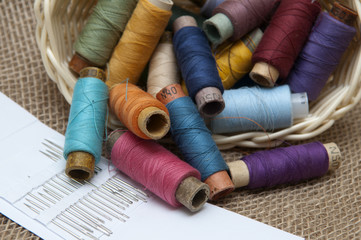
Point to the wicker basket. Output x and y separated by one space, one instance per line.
60 21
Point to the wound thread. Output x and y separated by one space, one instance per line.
320 56
195 59
135 47
141 113
234 60
103 30
254 109
286 165
193 138
150 164
87 118
286 34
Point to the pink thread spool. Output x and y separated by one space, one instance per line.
158 170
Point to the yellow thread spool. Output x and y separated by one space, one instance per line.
139 40
234 60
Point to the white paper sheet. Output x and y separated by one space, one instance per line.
24 170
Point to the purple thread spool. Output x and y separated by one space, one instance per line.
320 56
285 165
233 19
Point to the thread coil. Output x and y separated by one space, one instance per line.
320 56
247 107
103 30
87 118
195 60
286 165
286 34
152 165
142 33
193 138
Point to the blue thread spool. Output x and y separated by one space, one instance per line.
85 130
271 108
198 66
195 141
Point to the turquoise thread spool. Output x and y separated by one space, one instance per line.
86 126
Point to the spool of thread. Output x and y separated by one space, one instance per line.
322 53
101 33
198 66
140 37
86 125
195 141
178 12
163 69
283 40
285 165
255 109
157 169
141 113
234 60
233 19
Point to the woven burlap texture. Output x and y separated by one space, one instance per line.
324 208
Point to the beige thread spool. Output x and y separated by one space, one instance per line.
209 100
163 69
80 165
191 192
240 174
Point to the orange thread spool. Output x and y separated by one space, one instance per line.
139 111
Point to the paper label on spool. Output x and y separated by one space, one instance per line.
93 72
343 14
170 93
334 155
207 95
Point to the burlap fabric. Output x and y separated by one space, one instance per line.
324 208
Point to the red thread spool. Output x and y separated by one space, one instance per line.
283 40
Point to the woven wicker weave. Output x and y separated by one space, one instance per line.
60 21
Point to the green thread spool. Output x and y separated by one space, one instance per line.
100 35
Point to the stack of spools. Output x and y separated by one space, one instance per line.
288 48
